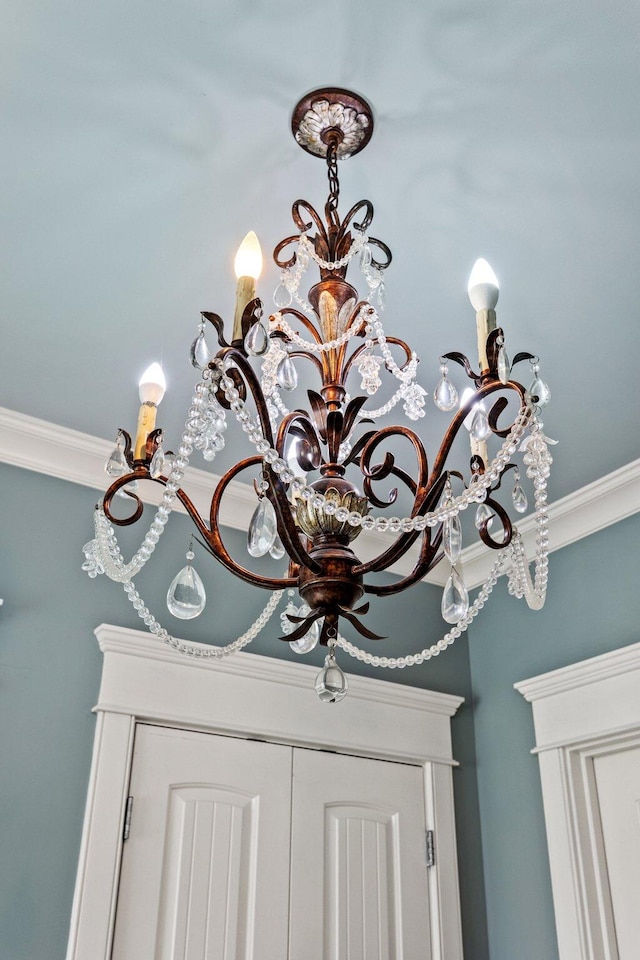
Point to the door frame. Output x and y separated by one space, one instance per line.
248 695
581 712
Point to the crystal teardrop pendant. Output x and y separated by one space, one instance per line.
452 538
256 342
117 464
287 374
445 396
504 366
519 497
157 465
199 352
186 597
309 641
539 392
331 683
455 599
480 429
277 549
484 514
263 529
282 296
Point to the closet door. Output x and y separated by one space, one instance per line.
358 861
205 871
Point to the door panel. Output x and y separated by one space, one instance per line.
618 784
205 871
358 864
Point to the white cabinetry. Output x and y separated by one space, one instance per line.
241 848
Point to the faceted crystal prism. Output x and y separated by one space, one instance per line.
309 641
504 366
287 374
445 396
452 539
199 352
331 683
157 465
186 597
263 529
480 429
519 497
484 514
282 296
256 341
541 392
455 599
277 549
117 464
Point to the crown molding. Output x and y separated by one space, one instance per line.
67 454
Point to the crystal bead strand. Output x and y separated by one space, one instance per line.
475 492
187 648
446 641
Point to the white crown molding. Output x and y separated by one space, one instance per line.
78 457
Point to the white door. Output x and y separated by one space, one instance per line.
618 786
205 871
358 860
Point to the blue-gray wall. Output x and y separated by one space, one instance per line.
49 677
593 606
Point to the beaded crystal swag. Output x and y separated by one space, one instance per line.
308 510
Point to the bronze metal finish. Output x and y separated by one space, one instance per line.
322 564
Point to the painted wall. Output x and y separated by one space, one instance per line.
49 677
593 606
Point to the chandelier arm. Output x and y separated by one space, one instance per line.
504 519
214 540
287 528
306 355
378 264
250 379
382 470
137 474
462 414
406 540
218 324
291 311
286 264
316 219
366 221
298 420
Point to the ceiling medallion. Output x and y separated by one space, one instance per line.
324 474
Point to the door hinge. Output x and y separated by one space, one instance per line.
431 849
127 818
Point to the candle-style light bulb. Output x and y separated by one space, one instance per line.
248 261
248 266
483 286
152 385
151 388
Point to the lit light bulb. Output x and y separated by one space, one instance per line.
248 262
483 287
152 385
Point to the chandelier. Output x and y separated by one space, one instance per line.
322 474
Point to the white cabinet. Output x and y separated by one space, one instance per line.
248 839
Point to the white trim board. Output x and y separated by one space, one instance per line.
580 712
78 457
144 682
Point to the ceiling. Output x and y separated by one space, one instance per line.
143 139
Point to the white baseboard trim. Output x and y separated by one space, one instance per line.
78 457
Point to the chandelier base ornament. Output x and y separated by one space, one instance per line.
323 474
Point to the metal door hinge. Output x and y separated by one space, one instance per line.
431 849
127 818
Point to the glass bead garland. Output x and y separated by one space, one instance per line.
103 553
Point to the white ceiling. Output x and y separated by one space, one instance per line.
141 140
